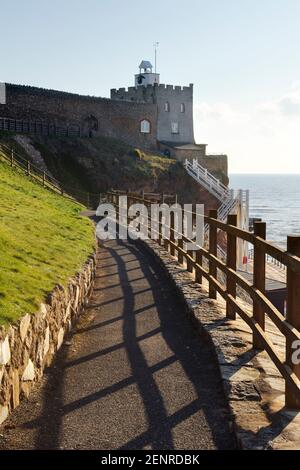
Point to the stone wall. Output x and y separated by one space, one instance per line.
183 152
174 96
95 116
28 346
215 164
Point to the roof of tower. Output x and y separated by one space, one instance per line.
145 64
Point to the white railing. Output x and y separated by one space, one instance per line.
215 187
269 259
206 179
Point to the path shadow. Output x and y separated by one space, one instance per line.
176 328
188 349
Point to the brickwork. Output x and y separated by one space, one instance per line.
174 105
95 116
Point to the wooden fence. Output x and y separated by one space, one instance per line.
289 326
14 159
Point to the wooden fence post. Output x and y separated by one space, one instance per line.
12 157
180 254
259 280
118 209
159 227
189 263
198 275
165 240
172 235
44 178
149 220
213 214
231 263
28 167
293 317
128 207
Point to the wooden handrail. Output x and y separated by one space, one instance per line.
289 327
44 178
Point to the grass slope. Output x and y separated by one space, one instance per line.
43 241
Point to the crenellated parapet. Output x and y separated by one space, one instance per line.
149 93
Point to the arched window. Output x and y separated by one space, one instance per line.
167 106
175 128
90 125
145 126
182 108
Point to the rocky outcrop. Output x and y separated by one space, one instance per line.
32 152
28 346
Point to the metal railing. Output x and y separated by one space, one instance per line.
269 259
206 179
38 127
289 326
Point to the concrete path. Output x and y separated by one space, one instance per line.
134 375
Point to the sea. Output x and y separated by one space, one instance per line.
275 199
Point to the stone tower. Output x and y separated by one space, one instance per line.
174 105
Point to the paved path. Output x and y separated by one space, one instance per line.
134 375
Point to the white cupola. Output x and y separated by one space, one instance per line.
146 76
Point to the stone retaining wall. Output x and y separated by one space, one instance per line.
29 346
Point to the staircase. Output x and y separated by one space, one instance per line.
215 187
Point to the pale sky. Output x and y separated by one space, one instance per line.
242 56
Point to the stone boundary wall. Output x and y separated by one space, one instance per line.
28 346
252 385
116 119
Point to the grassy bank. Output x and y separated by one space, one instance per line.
43 241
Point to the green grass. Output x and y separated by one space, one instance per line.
43 241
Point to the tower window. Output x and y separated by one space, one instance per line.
167 107
175 128
145 126
182 108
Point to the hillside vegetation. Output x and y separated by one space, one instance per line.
43 241
101 163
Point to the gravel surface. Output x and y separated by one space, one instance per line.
134 374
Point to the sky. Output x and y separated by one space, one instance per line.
242 56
